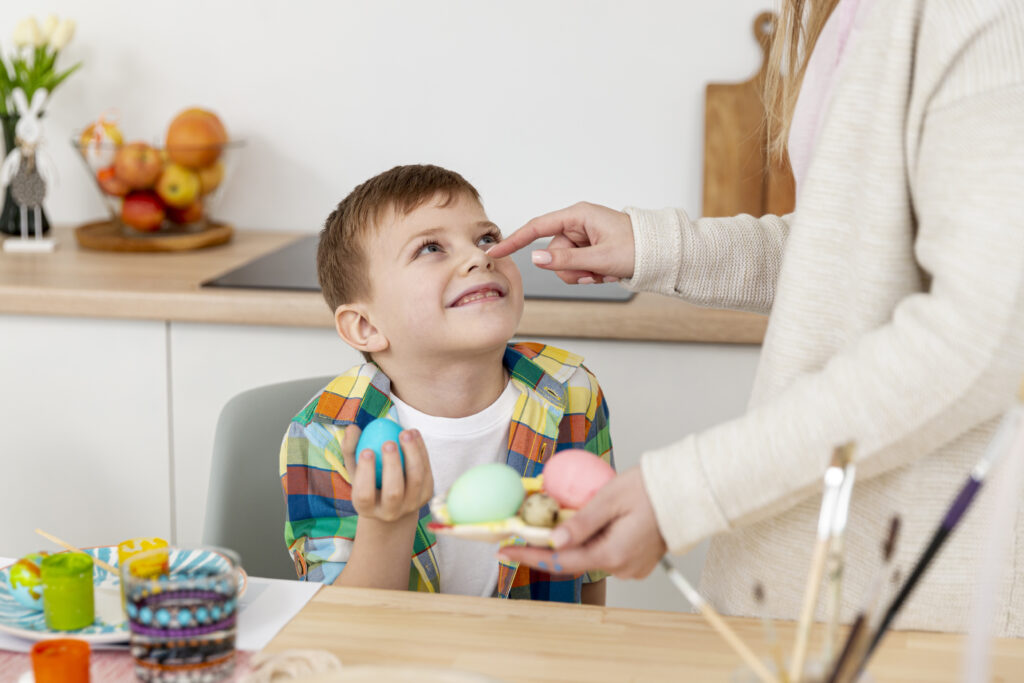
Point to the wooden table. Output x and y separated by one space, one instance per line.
166 286
516 640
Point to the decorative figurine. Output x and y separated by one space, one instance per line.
28 170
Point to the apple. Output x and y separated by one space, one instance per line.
195 138
210 177
110 183
99 142
142 211
138 165
190 214
178 186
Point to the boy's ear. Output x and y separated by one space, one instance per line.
354 326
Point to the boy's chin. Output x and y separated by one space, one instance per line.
479 341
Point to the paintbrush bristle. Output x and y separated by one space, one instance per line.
842 455
758 593
890 541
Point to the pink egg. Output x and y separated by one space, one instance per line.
573 476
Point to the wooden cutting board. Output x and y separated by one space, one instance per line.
737 176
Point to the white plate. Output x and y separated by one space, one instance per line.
110 625
509 529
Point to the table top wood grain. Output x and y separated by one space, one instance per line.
523 641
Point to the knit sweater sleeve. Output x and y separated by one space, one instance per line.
949 358
718 262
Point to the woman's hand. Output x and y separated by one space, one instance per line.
616 531
399 495
590 243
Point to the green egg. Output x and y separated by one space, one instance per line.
486 493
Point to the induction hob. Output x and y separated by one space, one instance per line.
293 267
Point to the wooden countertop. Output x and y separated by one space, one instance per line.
515 640
166 286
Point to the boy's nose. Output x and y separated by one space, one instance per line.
478 258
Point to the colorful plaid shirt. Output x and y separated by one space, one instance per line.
560 406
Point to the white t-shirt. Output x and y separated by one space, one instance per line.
454 445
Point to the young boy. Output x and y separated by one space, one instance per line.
403 264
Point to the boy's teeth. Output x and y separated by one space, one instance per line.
490 293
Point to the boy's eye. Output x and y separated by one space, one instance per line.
429 248
489 239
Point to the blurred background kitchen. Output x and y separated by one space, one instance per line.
109 419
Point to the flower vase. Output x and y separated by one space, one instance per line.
10 217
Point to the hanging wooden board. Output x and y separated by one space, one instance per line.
109 236
737 177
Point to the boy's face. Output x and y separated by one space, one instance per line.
435 292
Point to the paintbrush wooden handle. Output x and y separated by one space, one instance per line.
717 623
803 630
67 546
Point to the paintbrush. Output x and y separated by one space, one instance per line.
834 476
858 638
834 562
769 633
715 620
67 546
996 449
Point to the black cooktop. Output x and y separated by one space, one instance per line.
294 267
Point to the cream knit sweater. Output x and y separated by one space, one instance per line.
896 293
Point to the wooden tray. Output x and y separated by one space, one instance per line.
108 236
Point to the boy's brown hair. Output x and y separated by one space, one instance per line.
341 260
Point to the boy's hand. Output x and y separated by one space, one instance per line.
399 496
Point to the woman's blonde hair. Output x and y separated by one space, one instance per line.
796 31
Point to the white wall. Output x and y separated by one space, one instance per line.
539 103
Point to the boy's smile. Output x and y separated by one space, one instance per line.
435 291
479 294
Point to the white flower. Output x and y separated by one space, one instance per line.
27 32
50 25
62 34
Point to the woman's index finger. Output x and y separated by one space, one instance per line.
547 225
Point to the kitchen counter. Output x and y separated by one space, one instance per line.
166 286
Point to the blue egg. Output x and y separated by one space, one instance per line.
184 617
215 613
146 615
374 436
202 615
163 617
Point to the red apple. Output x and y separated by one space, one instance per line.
190 214
143 211
138 165
195 138
110 183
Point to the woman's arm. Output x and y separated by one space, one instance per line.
723 262
720 262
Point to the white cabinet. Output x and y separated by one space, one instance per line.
84 427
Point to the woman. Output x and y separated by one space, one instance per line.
896 293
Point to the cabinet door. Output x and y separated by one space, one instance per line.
83 414
212 363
